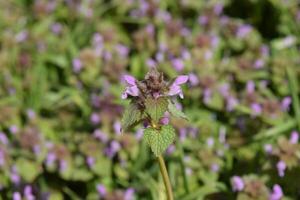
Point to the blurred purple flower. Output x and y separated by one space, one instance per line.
117 127
159 56
250 87
14 129
139 134
277 193
131 88
63 165
77 65
206 95
203 20
268 148
193 79
101 190
30 114
122 50
56 28
175 87
150 29
210 142
14 175
182 134
113 148
171 149
50 159
243 30
22 36
151 63
208 54
281 167
90 161
129 194
264 50
165 120
3 138
214 167
28 193
95 118
17 196
294 137
259 63
285 103
256 109
218 8
231 103
237 184
185 54
188 171
178 64
98 134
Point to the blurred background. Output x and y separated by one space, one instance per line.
61 68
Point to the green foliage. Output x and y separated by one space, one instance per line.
175 112
159 140
131 115
156 107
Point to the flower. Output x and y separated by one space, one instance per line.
101 190
131 88
276 193
281 166
237 183
175 87
294 137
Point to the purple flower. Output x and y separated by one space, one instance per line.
101 190
151 63
277 193
30 114
131 88
63 165
210 141
28 193
268 148
14 176
14 129
51 158
3 138
129 194
193 79
203 20
95 118
214 167
122 50
22 36
281 166
178 64
182 134
77 65
17 196
218 8
231 103
175 87
98 134
294 137
256 109
117 128
243 31
165 120
259 63
113 148
56 28
285 103
237 183
90 161
250 87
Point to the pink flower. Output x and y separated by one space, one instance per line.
276 193
175 87
237 183
131 88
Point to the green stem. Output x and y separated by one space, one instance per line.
165 176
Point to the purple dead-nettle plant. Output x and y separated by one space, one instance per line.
151 102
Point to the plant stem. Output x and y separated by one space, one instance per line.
165 176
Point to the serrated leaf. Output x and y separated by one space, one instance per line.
175 112
159 140
131 115
156 108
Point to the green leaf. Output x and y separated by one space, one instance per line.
156 108
131 115
27 169
175 112
159 140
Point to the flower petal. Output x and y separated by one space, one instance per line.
181 79
129 79
133 91
174 89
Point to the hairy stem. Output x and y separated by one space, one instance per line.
165 176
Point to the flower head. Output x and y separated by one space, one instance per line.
175 87
237 183
276 193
